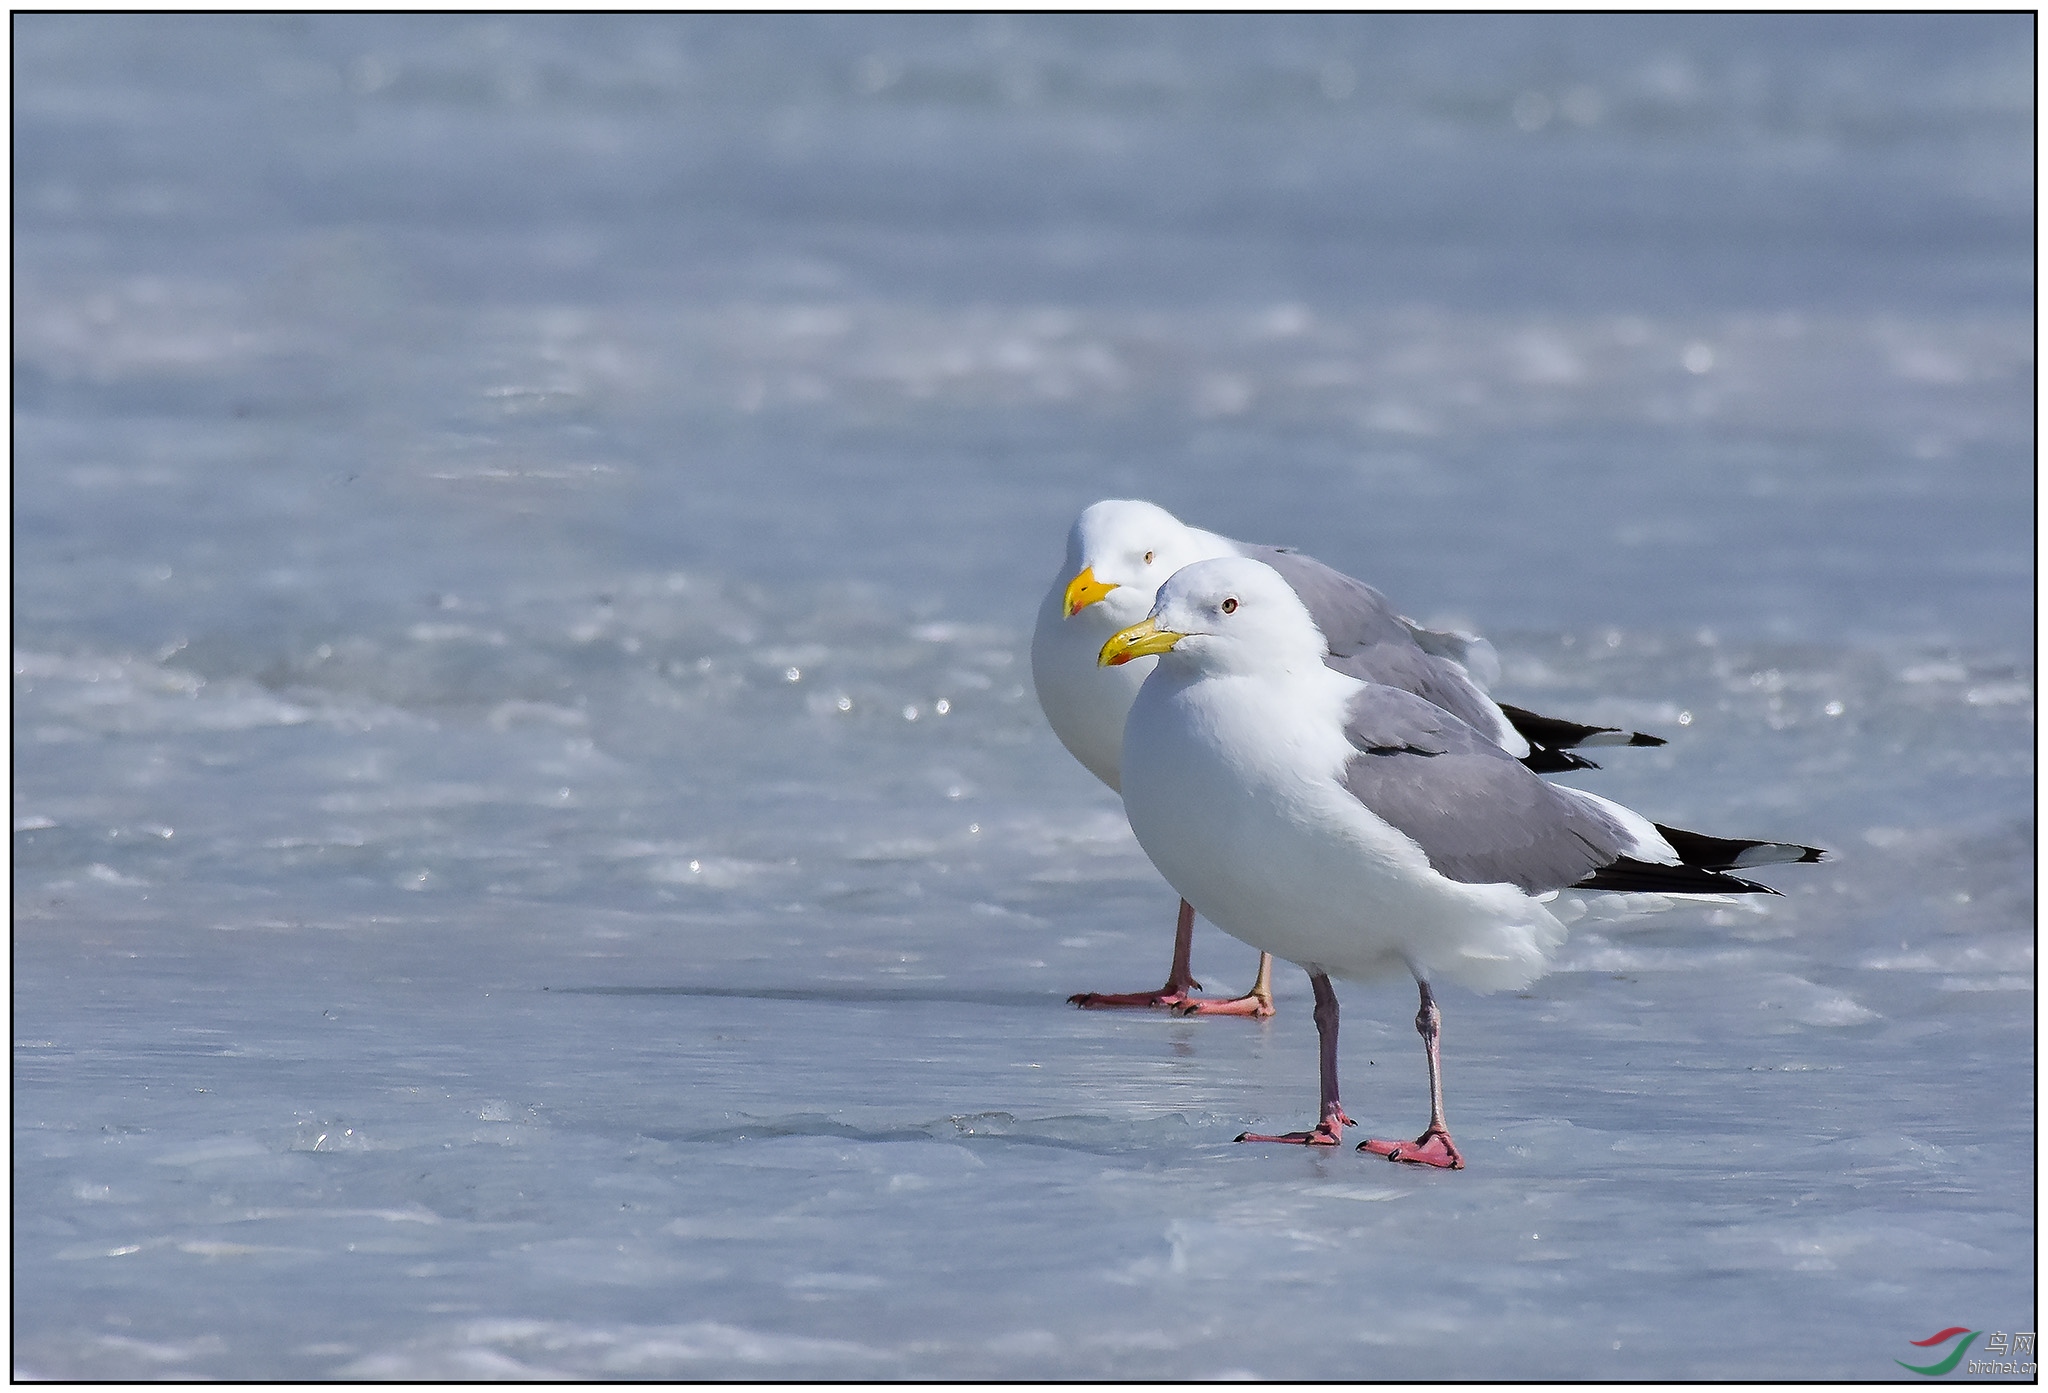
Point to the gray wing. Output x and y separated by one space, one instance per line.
1351 614
1469 651
1478 815
1436 680
1371 642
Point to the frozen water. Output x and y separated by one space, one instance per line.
534 852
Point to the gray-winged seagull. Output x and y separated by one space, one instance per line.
1357 829
1119 551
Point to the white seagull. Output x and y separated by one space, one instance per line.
1119 552
1357 829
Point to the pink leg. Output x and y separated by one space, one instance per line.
1181 986
1180 978
1330 1130
1256 1002
1434 1147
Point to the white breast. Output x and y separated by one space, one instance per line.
1232 785
1086 704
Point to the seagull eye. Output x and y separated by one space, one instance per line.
1148 557
1230 605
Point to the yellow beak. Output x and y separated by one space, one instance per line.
1084 590
1141 640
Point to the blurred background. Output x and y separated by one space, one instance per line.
525 524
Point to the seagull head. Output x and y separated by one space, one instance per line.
1125 547
1229 614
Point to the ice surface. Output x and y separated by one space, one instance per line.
534 853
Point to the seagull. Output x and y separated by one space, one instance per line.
1119 552
1358 829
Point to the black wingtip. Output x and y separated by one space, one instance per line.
1730 853
1646 877
1554 733
1542 759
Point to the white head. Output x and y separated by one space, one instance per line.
1230 614
1129 546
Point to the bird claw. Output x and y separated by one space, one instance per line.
1168 995
1328 1132
1432 1148
1246 1005
1317 1137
